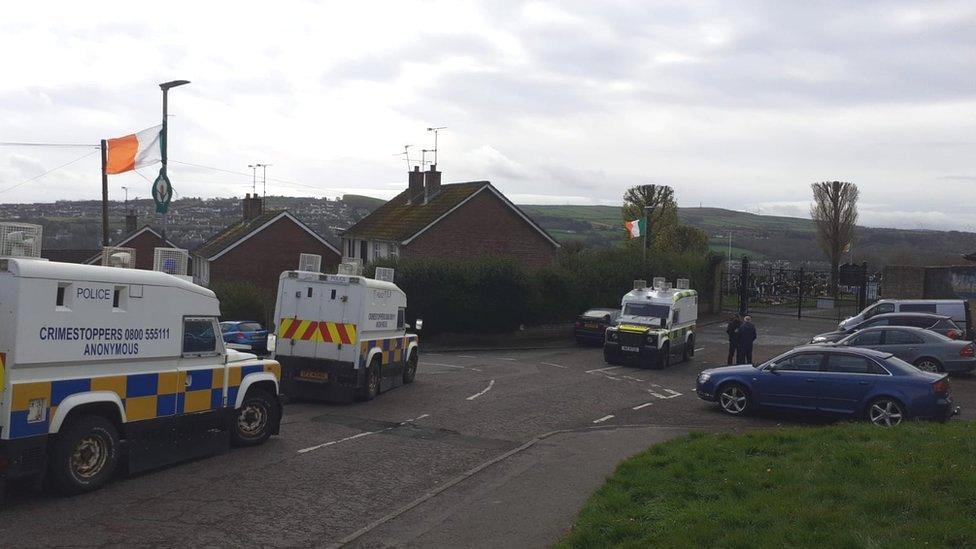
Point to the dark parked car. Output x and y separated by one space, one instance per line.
591 326
927 350
245 335
937 323
845 381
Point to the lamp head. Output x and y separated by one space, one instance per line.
172 84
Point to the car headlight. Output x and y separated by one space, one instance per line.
703 378
611 335
651 339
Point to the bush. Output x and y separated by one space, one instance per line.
498 295
242 301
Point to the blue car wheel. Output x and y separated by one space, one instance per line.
885 412
734 399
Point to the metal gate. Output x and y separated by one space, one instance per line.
796 292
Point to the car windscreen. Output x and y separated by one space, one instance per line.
647 309
597 313
250 327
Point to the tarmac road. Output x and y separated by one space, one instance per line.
484 449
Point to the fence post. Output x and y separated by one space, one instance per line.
744 287
862 294
799 295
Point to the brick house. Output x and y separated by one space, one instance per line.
259 248
456 221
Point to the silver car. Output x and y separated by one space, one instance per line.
925 349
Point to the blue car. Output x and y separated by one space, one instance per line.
246 335
836 381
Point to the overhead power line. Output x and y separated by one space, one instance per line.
66 164
283 181
60 145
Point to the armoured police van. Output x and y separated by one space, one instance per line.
342 336
656 325
97 362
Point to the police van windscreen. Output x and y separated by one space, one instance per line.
647 309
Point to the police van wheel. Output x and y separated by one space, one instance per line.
84 455
410 369
689 348
372 387
664 357
253 421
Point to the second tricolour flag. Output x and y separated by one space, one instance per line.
134 151
636 228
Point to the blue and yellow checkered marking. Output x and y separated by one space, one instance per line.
393 350
144 396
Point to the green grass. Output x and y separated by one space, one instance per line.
848 485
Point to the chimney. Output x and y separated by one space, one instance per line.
253 207
433 183
415 186
130 222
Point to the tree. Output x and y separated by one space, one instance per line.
834 213
681 239
657 201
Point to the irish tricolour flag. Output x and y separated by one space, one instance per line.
134 151
636 228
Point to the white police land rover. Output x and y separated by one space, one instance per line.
656 325
92 355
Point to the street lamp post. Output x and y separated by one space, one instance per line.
162 191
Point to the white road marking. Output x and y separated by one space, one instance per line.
634 378
608 368
673 393
508 358
360 435
466 356
488 388
450 366
645 405
553 365
659 395
699 349
602 419
654 385
613 378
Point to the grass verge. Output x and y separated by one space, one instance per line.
848 485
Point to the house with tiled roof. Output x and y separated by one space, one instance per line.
259 248
456 221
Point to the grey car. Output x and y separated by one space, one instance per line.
937 323
927 350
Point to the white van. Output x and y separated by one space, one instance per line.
956 309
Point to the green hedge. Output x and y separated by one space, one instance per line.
498 295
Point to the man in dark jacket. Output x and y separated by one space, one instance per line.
746 335
732 329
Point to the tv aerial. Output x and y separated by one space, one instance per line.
435 130
406 155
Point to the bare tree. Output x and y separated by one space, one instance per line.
834 213
658 203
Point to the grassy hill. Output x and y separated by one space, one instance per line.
761 236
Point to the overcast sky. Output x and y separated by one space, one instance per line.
738 105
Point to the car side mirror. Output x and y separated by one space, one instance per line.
272 343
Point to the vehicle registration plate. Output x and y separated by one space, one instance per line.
591 326
630 349
313 375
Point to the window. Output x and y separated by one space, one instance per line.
918 322
350 248
876 322
362 251
394 251
804 362
647 309
918 308
848 364
59 299
901 337
401 318
945 324
199 336
879 309
866 338
377 251
226 327
119 298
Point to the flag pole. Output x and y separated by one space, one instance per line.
645 234
104 146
